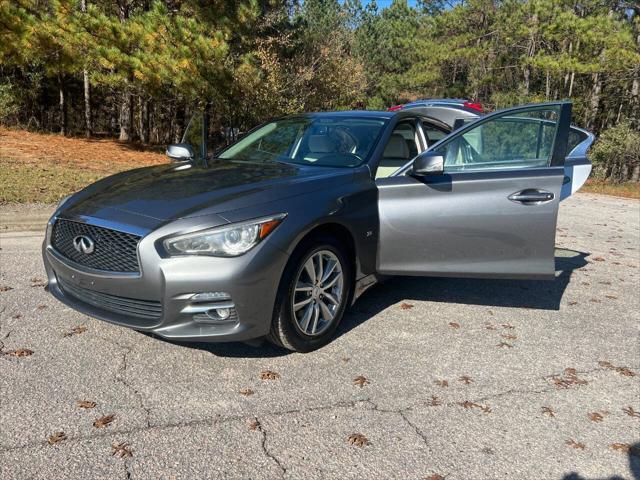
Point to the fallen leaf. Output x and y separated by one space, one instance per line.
595 417
104 421
509 336
345 359
19 352
269 375
573 302
606 364
360 381
17 316
406 306
254 424
548 411
435 476
621 447
631 412
465 379
490 326
122 449
504 344
454 325
442 383
37 282
246 392
507 325
595 300
570 378
86 404
627 372
435 401
358 440
598 259
469 405
41 307
57 437
5 288
77 330
574 444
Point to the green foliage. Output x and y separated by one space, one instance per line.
616 154
254 59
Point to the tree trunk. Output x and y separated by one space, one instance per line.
144 121
531 51
87 104
635 98
178 123
63 107
594 103
87 97
126 116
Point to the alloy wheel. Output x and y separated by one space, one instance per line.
317 295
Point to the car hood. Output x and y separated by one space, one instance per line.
169 192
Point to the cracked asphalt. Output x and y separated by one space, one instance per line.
466 379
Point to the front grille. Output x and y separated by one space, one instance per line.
131 307
114 251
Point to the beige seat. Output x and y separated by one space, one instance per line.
395 155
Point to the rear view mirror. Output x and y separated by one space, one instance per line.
180 152
428 163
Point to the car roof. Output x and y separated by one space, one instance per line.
346 114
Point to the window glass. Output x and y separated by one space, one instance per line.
321 141
432 133
520 140
401 147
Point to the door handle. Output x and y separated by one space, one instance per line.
531 196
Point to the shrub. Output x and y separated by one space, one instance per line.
616 154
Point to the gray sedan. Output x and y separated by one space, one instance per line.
276 235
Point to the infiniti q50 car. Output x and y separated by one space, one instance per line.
277 234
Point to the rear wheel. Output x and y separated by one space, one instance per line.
312 297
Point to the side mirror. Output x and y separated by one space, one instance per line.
180 152
428 163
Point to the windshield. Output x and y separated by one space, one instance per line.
321 141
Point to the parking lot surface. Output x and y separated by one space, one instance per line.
428 378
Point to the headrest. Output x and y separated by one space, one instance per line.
320 144
396 148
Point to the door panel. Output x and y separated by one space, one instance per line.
465 225
492 213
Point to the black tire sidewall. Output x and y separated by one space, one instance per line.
293 337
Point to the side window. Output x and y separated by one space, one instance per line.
516 140
433 133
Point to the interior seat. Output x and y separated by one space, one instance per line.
395 155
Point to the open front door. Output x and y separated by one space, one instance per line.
493 211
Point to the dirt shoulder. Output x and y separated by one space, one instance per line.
43 168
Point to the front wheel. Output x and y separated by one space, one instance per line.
312 298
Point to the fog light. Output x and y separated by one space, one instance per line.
223 313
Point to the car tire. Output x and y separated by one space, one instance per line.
292 326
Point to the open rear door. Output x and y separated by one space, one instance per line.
493 211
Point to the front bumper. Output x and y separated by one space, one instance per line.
250 283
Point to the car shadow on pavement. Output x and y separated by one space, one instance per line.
537 294
634 467
499 293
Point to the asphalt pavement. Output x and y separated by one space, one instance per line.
428 378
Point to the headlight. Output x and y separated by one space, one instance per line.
225 241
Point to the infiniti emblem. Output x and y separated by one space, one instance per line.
83 244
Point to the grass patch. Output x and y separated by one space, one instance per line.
26 183
627 190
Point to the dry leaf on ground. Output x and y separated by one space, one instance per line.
406 306
254 424
86 404
246 392
442 383
465 379
454 325
573 444
360 381
631 412
595 417
5 288
269 375
19 352
57 437
104 421
122 449
548 411
358 440
435 401
77 330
